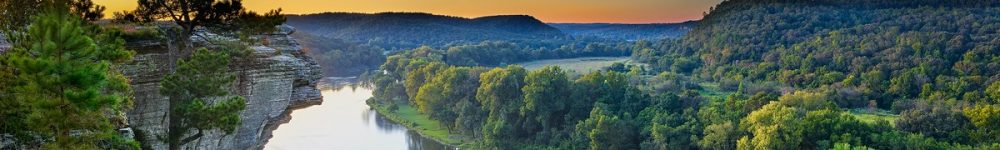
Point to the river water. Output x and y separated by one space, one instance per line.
345 121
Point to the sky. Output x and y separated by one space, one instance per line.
552 11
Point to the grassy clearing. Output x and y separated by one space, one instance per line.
422 123
408 116
873 116
579 65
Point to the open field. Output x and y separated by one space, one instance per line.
579 65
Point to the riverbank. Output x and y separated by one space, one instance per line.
408 116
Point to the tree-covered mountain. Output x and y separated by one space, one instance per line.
339 57
754 74
933 62
655 31
883 50
395 31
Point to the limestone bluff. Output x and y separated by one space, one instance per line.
276 78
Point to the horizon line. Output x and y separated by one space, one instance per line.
445 15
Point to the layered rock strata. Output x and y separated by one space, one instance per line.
275 78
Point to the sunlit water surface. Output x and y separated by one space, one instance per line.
344 121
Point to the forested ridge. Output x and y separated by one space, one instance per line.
339 57
754 74
347 44
400 31
895 48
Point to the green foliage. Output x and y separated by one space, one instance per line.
671 82
142 34
501 97
606 131
872 49
771 127
338 57
901 140
986 118
778 126
993 91
753 75
188 14
403 30
199 97
545 101
447 98
758 100
13 111
611 88
720 136
673 134
498 53
18 14
224 15
250 22
823 128
935 119
806 100
420 75
63 83
846 146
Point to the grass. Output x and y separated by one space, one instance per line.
408 116
422 123
872 116
579 65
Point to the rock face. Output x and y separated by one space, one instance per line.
3 44
274 79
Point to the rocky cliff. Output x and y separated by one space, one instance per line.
275 78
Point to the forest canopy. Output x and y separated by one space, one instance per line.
754 74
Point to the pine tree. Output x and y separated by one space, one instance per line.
64 83
199 99
17 14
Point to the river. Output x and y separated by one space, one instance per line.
344 121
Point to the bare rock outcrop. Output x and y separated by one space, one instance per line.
275 78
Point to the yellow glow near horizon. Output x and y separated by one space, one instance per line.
558 11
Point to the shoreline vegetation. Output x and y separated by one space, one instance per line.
408 116
413 120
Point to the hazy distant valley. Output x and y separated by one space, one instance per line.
348 43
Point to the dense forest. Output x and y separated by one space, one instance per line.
347 44
499 53
339 57
754 74
401 31
342 58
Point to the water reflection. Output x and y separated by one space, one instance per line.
383 124
344 121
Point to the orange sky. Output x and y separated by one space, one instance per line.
558 11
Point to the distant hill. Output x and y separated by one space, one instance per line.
626 31
339 57
409 30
